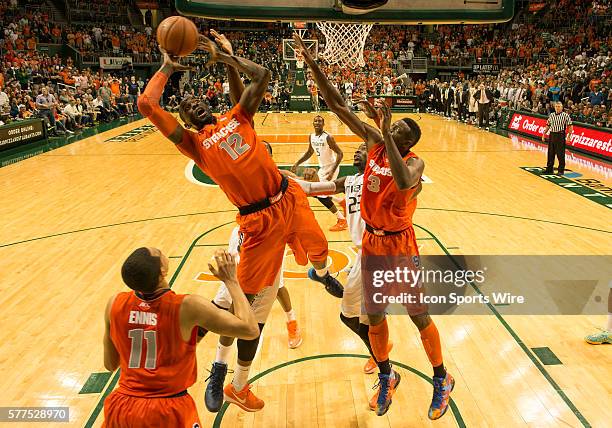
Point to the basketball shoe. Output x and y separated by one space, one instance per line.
441 394
213 397
244 399
339 226
293 332
599 338
387 384
332 285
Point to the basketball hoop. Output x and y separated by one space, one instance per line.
344 43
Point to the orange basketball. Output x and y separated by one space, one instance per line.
177 35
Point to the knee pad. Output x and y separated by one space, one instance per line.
248 348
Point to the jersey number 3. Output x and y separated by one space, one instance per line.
136 353
373 184
234 146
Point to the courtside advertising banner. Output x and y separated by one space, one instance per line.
597 142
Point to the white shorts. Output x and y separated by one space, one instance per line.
352 299
261 305
323 171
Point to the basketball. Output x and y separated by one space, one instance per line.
177 35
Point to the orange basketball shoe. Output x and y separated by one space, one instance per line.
371 366
244 399
295 338
341 225
387 384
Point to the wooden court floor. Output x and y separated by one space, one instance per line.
70 217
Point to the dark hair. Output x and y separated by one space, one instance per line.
415 130
141 271
322 118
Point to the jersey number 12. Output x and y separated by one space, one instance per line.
234 146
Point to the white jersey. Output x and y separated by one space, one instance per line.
352 189
327 157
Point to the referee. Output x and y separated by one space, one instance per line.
558 123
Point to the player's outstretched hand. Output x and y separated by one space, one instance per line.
223 43
302 48
173 62
209 46
385 117
367 108
226 266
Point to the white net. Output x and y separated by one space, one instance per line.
344 43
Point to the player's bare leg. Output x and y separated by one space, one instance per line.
293 331
239 391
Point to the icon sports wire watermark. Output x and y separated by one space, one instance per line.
469 285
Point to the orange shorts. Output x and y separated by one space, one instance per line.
389 253
266 232
126 411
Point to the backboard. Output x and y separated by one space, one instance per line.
394 12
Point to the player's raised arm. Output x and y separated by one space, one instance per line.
198 311
336 103
260 76
233 76
406 174
148 102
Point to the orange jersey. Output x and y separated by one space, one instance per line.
230 153
155 361
383 205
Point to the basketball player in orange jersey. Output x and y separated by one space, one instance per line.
151 333
273 212
392 176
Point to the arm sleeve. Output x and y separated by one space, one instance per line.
148 104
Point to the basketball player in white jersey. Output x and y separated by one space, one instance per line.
329 155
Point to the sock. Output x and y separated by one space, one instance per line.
223 353
322 272
431 342
384 367
379 340
609 322
339 215
241 376
363 333
290 315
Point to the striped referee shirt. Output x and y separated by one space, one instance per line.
558 122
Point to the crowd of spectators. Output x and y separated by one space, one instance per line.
562 52
36 85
